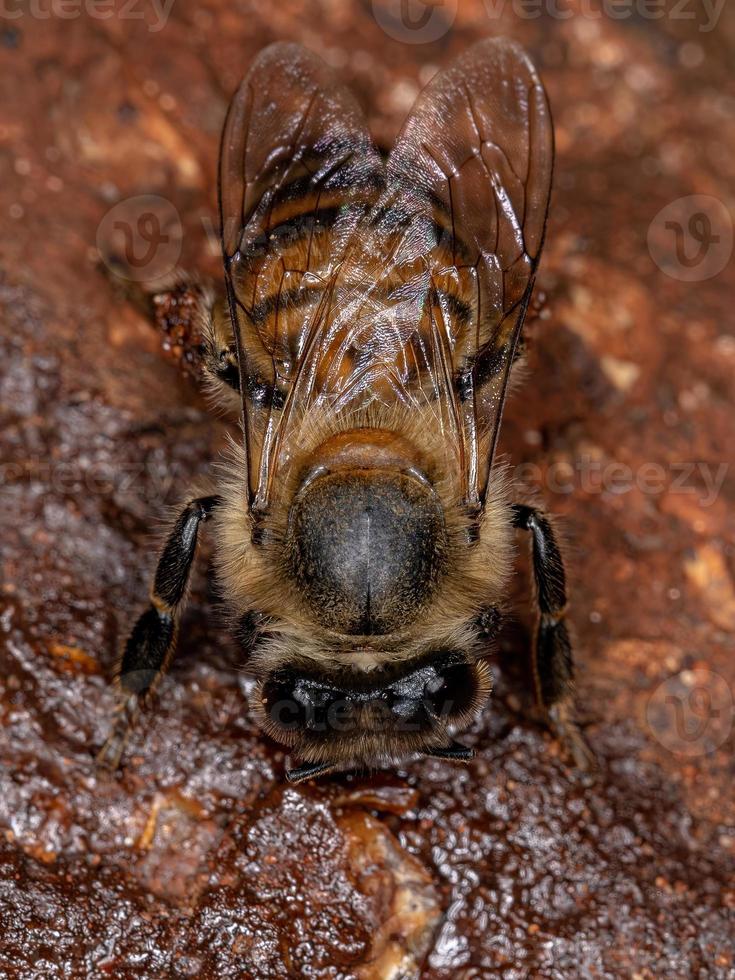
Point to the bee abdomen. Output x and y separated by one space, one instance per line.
366 548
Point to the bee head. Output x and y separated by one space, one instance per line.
359 717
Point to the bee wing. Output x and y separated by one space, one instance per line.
298 171
433 287
475 156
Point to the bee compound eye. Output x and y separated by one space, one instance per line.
435 684
281 707
451 690
295 702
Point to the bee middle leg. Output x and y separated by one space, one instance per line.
552 656
151 643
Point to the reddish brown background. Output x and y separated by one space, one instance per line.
198 861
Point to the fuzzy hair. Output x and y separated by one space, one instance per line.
256 578
369 741
215 327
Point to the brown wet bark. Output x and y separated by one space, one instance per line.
197 861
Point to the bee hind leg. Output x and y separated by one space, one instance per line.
553 662
195 330
151 643
219 355
310 770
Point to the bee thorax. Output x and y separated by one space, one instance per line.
366 548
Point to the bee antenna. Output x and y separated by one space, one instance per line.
308 771
453 751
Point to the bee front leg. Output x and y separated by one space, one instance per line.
553 662
151 643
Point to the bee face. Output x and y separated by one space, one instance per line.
382 714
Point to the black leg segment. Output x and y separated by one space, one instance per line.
310 770
151 643
553 663
453 751
174 565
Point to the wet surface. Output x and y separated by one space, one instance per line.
198 860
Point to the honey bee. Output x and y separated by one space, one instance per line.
366 334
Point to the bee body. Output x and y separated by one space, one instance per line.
369 325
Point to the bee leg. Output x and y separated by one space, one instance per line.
219 352
177 307
309 770
553 662
453 751
197 332
180 314
151 643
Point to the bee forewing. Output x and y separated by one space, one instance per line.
297 171
347 289
476 154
